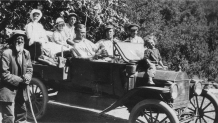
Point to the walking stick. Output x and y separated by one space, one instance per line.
31 107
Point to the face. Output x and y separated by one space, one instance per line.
151 42
81 33
60 27
110 33
19 43
133 33
35 16
72 20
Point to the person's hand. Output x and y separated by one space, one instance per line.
66 45
27 79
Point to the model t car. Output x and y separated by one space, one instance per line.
108 83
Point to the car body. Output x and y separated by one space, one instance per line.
106 84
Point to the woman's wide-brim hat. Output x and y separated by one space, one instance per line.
17 33
59 21
36 11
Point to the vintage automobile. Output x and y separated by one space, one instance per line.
108 83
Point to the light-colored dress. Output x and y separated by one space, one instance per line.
36 33
84 49
59 44
70 31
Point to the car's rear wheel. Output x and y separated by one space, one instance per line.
152 111
39 99
204 108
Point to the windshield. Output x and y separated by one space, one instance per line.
130 51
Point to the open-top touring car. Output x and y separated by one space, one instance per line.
108 83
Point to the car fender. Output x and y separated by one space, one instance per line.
134 92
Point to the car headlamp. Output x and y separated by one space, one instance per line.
174 90
197 88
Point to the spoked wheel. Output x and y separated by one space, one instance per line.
152 111
39 98
204 108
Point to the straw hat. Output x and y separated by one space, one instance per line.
15 34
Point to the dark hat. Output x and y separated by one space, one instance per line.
133 27
109 27
17 33
79 27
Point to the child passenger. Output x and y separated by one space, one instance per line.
153 58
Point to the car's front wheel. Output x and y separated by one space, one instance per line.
152 111
204 108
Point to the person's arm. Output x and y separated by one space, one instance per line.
160 59
44 35
146 57
5 71
28 29
29 33
70 42
56 38
29 70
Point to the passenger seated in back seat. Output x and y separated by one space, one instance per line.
35 34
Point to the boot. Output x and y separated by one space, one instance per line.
150 81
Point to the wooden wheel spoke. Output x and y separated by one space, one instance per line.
162 121
197 101
144 114
192 104
202 102
209 117
151 115
209 111
156 119
139 120
191 109
36 89
207 106
200 120
204 119
36 107
196 120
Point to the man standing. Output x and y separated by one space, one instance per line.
16 73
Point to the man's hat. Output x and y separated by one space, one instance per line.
133 27
109 27
72 14
79 27
15 34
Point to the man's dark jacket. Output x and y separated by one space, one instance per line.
10 82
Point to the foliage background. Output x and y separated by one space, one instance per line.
186 30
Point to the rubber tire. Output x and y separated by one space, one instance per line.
44 91
213 99
168 110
